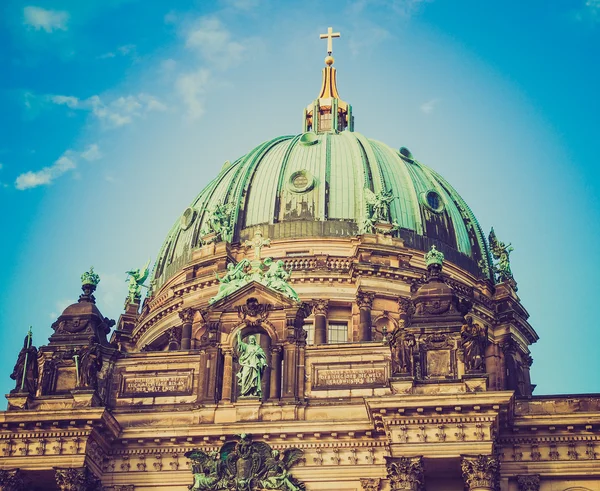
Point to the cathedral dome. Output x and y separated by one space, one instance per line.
323 185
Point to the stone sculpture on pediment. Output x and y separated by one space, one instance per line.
254 313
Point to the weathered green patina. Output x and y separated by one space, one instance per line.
434 257
90 277
245 465
501 253
136 278
253 361
331 180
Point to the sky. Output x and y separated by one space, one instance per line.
116 114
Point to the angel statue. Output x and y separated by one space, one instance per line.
136 278
218 221
235 278
501 253
278 471
205 467
380 208
276 277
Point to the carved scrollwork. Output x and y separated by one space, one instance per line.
370 484
364 300
320 307
11 480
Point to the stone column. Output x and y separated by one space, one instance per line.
187 317
290 362
370 484
480 472
365 303
11 480
76 479
530 482
227 375
405 473
275 388
320 313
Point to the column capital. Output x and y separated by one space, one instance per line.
370 484
406 306
530 482
11 480
76 479
187 315
319 307
480 471
365 300
405 473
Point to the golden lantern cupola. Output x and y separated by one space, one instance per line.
328 113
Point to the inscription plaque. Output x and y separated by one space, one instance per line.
349 375
157 384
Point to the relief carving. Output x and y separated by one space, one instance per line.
529 483
76 479
11 480
405 473
370 484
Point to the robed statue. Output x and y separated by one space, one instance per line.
252 360
474 340
90 363
401 345
25 372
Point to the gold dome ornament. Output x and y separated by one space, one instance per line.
329 60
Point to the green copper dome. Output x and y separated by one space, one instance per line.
315 185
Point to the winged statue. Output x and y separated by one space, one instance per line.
380 205
136 278
501 252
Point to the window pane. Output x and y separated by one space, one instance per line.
337 332
309 327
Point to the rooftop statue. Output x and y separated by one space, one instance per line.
245 465
474 339
136 278
90 277
267 272
277 278
501 253
434 257
253 361
25 372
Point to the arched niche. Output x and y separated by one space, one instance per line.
264 335
381 324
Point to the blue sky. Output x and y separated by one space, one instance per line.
117 113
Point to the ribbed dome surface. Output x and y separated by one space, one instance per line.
314 185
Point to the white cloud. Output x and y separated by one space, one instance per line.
46 175
60 306
121 50
91 153
429 106
191 88
213 42
118 112
47 20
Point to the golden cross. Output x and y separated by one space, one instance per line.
329 36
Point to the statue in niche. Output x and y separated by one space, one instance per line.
90 363
253 361
474 339
25 372
402 346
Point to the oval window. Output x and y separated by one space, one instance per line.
432 200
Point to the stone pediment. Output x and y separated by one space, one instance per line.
254 289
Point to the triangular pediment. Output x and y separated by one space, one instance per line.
262 293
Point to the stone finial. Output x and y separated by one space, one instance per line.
530 482
434 257
405 473
480 471
90 278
